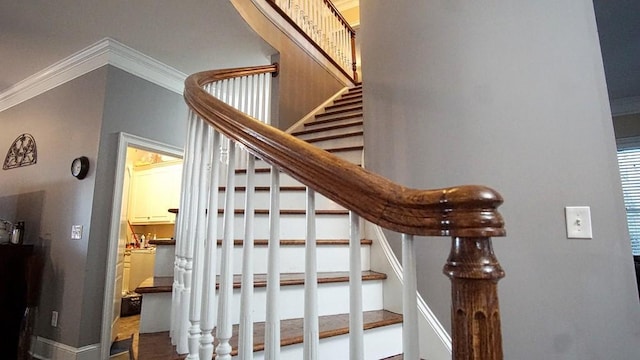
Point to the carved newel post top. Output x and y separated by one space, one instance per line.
473 258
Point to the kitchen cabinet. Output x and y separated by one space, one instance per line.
154 190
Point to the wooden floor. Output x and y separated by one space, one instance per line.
128 326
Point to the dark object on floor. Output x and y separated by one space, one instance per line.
122 349
131 304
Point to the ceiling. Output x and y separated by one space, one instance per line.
188 35
194 35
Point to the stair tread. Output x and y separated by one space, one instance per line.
335 137
320 120
344 102
340 109
291 331
395 357
290 212
327 128
265 242
163 284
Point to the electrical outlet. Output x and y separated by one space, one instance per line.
578 222
54 318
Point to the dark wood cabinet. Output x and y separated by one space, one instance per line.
13 295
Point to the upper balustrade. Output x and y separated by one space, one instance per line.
322 24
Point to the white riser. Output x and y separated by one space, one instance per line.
164 262
292 227
314 135
291 200
155 315
333 298
356 140
379 343
321 124
330 258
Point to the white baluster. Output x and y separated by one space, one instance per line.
178 269
208 317
245 339
356 332
272 326
266 108
198 246
311 331
410 345
223 351
191 221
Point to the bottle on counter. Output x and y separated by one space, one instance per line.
143 242
17 235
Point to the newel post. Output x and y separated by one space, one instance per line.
475 314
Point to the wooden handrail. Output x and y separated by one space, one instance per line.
466 213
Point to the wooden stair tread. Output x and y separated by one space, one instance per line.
319 120
257 171
266 188
340 109
290 330
265 242
163 284
345 102
290 212
328 128
335 137
162 242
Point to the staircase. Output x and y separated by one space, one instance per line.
339 130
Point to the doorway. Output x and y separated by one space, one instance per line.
136 159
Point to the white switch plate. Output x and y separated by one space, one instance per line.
54 318
76 232
578 222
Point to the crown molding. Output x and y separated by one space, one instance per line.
105 52
625 106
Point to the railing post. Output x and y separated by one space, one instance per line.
475 314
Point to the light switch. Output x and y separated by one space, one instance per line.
578 222
76 232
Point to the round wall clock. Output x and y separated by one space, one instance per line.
80 167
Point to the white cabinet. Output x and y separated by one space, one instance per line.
155 190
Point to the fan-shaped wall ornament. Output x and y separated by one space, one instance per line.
23 152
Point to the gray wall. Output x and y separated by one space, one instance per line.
81 117
65 123
137 107
510 95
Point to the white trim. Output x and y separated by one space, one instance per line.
103 52
625 106
124 141
435 342
46 349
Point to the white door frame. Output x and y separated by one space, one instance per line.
124 141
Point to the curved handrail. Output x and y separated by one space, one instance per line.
462 211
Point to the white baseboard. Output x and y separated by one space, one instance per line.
45 349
